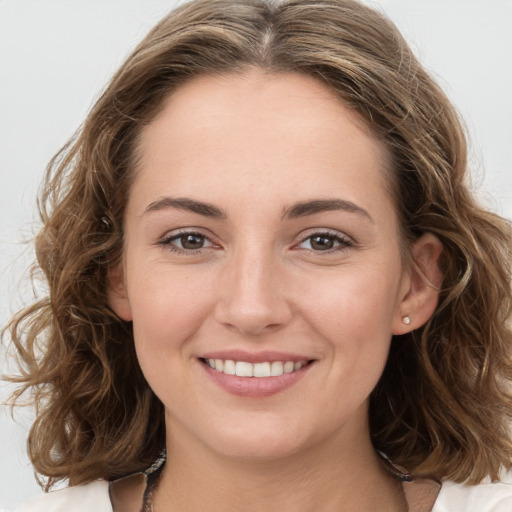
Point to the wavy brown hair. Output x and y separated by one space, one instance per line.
443 405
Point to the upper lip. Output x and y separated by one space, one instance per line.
254 357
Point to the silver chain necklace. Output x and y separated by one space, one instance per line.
151 483
152 475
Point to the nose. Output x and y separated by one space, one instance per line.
252 294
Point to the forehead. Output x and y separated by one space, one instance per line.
240 129
233 99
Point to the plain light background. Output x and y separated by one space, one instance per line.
56 56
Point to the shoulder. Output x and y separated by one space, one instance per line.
80 498
485 497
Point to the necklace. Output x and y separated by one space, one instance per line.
152 475
151 483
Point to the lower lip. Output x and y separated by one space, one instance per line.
255 387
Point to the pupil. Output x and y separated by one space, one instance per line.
192 241
322 243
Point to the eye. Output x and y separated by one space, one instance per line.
186 241
325 242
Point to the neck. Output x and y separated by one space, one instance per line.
332 475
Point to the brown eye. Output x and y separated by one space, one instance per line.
322 242
187 241
319 242
192 241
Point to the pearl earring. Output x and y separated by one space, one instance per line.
406 320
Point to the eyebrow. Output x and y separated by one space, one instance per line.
184 203
306 208
301 209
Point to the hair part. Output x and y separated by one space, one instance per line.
443 405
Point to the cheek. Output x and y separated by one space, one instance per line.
357 300
167 308
352 314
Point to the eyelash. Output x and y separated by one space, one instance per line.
343 241
167 242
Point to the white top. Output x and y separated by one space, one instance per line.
486 497
94 497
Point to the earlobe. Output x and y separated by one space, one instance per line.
117 294
424 282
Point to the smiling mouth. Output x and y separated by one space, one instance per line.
258 370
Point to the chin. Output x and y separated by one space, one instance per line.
260 450
262 442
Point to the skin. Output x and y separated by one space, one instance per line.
254 145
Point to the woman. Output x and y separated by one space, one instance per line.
263 260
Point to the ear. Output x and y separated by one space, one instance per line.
117 294
422 286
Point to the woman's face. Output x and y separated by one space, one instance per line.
260 234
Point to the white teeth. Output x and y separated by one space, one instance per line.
229 367
276 369
262 370
288 367
244 369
